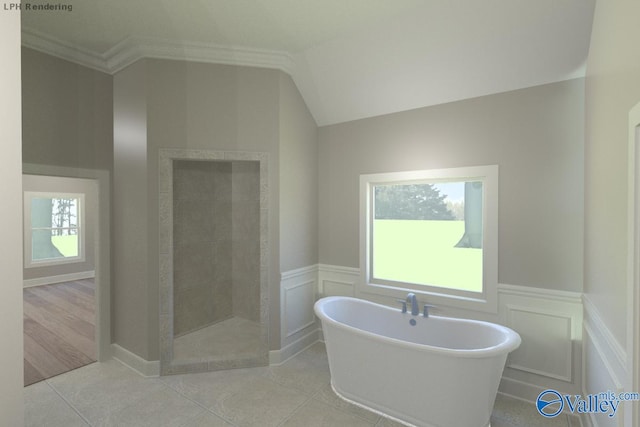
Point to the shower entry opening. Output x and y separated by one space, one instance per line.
213 232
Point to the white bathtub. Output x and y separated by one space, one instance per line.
442 372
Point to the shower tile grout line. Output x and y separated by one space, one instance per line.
65 400
288 417
164 384
356 414
210 411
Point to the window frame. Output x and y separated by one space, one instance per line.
486 300
29 262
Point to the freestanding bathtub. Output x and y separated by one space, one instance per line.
440 372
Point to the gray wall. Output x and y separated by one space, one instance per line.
298 180
535 135
165 104
67 113
67 120
72 112
612 89
131 321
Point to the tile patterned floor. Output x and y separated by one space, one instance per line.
294 394
237 336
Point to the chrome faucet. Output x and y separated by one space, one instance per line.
411 298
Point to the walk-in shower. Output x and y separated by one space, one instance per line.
213 296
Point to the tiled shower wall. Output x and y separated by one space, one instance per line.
245 234
216 242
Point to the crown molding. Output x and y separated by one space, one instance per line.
133 49
44 43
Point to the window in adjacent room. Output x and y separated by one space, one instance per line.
53 228
433 232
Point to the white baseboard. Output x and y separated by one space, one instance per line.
144 367
278 357
39 281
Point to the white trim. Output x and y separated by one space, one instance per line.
45 43
603 354
328 268
278 357
602 334
609 353
633 260
541 293
487 300
291 274
133 49
39 281
144 367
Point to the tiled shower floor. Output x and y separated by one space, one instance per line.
294 394
235 337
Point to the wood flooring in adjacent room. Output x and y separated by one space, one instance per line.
59 329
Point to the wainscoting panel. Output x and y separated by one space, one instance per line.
546 342
298 326
298 306
550 325
337 281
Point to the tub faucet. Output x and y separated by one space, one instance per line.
411 299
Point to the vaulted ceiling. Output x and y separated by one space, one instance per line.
350 59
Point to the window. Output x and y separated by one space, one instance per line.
53 228
431 232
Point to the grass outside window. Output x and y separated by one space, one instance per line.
425 253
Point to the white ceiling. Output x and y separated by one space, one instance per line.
351 59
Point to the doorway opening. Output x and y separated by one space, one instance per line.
65 269
59 328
